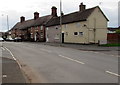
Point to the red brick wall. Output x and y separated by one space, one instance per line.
41 33
113 38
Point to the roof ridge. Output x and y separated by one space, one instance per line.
81 11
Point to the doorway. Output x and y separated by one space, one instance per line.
62 37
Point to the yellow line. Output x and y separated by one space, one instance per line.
71 59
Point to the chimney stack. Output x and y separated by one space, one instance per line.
62 14
82 7
22 19
36 15
54 11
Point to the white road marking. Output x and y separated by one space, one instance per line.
2 48
46 50
115 74
71 59
4 76
10 53
13 56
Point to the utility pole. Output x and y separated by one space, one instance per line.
60 21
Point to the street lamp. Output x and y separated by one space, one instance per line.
7 21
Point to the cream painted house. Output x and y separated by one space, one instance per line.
84 26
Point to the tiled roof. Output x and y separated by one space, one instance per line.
72 17
31 23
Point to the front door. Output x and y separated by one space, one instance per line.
62 37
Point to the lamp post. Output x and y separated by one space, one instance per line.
7 22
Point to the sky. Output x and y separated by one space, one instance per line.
14 9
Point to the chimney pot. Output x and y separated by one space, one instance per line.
22 19
82 7
54 11
36 15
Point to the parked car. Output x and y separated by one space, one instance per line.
18 39
9 39
1 39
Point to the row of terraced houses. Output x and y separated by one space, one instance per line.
83 26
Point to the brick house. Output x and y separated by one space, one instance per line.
84 26
33 29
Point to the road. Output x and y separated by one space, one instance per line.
10 71
49 64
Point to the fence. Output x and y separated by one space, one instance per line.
113 38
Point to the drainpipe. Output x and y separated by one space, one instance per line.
88 32
94 29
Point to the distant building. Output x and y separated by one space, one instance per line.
33 29
84 26
113 30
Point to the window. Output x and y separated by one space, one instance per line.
47 28
81 33
57 36
41 28
75 33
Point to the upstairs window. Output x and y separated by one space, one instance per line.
75 33
81 33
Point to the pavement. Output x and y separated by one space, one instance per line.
114 51
56 64
86 47
10 69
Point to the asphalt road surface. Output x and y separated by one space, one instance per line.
49 64
10 71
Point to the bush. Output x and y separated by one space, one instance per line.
118 31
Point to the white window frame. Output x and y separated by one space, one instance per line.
41 27
81 33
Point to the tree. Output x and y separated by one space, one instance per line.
118 31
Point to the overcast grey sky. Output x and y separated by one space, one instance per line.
17 8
